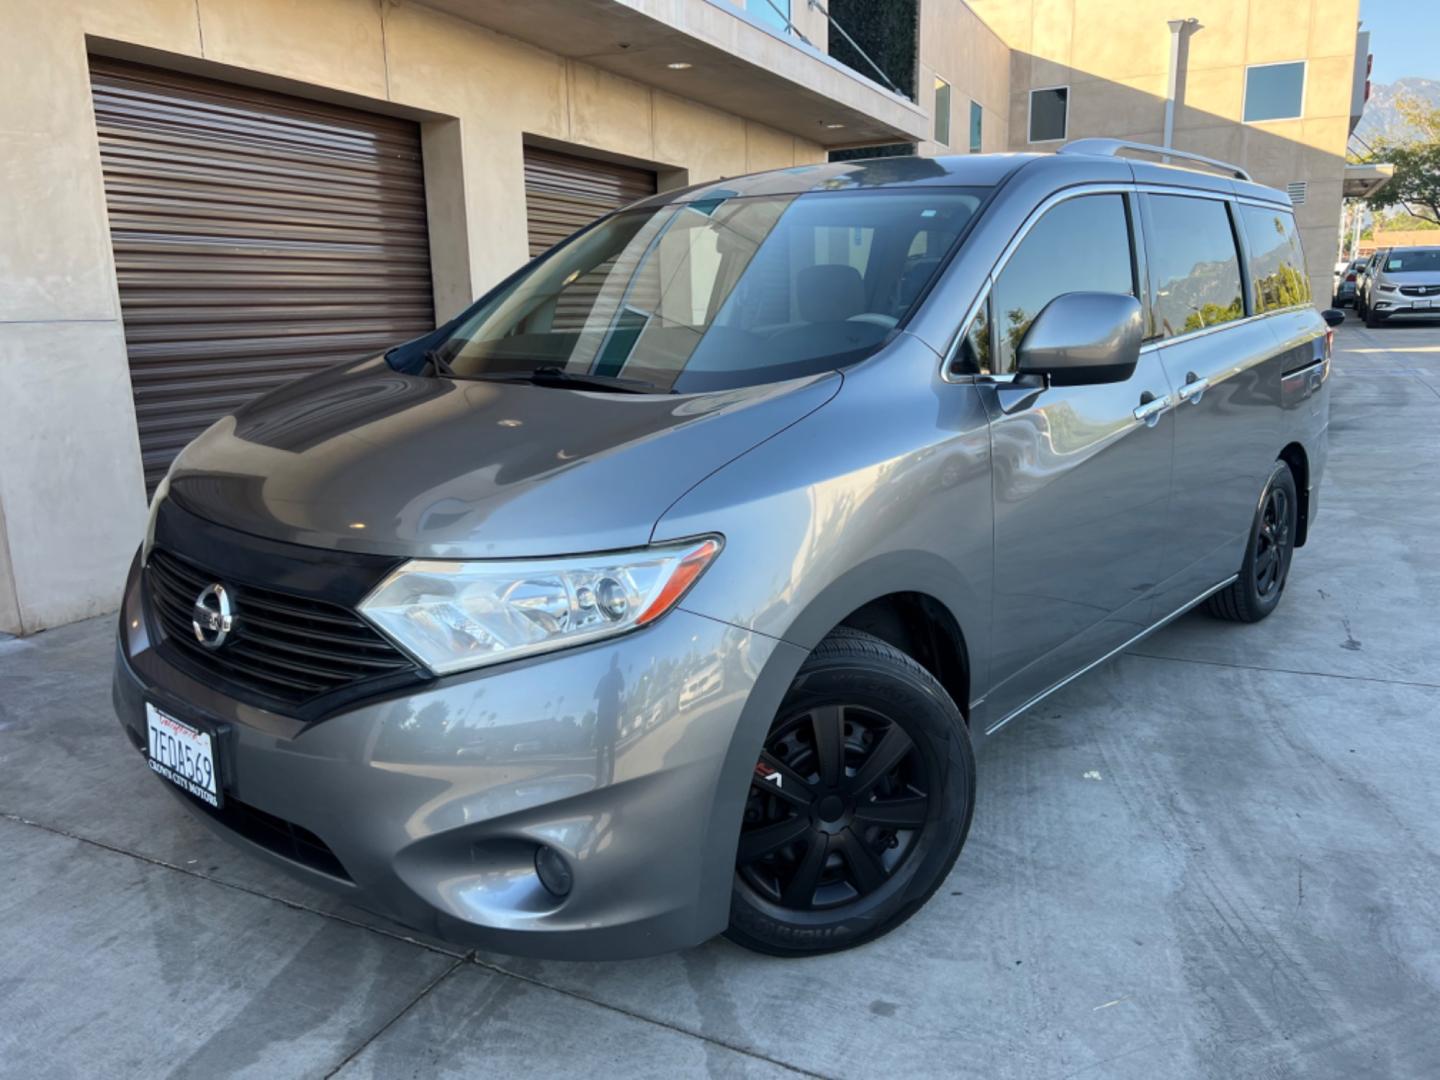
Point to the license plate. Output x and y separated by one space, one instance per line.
182 754
1421 304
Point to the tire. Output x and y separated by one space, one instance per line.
1257 591
1373 318
836 850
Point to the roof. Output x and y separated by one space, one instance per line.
967 170
961 170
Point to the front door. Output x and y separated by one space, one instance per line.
1081 484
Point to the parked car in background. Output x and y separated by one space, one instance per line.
1362 280
1346 275
668 589
1405 282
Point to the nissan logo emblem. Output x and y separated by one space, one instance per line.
212 617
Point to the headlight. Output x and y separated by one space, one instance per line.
1386 288
457 615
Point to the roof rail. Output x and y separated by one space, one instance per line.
1112 148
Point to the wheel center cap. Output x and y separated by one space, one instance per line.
830 808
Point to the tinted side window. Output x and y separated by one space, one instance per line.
1277 265
1080 245
1194 267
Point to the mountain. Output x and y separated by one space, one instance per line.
1382 119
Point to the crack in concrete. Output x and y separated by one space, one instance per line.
1286 671
421 996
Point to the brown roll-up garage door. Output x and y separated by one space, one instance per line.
563 193
258 237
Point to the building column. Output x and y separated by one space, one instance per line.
72 496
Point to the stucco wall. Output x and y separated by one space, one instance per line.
71 494
1115 58
959 48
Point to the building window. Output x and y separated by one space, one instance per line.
1274 91
1049 109
774 14
942 111
977 116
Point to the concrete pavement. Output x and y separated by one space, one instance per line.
1214 856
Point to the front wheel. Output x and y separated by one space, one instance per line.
1373 318
1256 592
859 804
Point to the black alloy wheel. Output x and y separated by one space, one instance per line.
1261 581
1272 549
858 805
839 799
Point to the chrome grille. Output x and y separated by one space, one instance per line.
283 649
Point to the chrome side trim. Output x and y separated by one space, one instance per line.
947 361
1164 343
1304 369
1103 188
1113 652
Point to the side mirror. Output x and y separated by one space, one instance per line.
1333 316
1081 338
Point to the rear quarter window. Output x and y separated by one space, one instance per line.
1277 265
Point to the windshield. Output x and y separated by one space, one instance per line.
1426 259
716 294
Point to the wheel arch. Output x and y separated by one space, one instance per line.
918 579
1295 456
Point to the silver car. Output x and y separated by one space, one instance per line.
671 588
1403 281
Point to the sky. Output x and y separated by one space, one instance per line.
1404 38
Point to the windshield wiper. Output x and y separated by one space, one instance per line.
546 375
438 364
550 375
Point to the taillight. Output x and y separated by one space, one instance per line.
1349 277
1329 342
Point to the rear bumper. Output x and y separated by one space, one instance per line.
629 758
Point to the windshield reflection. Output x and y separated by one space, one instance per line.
718 293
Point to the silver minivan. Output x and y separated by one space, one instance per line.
671 588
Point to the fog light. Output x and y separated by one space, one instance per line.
553 871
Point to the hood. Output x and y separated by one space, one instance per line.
366 458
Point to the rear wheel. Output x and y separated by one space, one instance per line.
1256 592
859 805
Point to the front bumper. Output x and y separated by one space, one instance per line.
630 758
1399 304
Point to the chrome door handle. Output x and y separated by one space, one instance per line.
1149 412
1192 390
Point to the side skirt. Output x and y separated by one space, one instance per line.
1181 610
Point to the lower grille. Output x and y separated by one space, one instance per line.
275 834
284 650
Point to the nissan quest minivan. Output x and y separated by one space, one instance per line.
670 588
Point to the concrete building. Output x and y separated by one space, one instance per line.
1274 87
203 198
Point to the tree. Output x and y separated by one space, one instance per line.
1416 183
